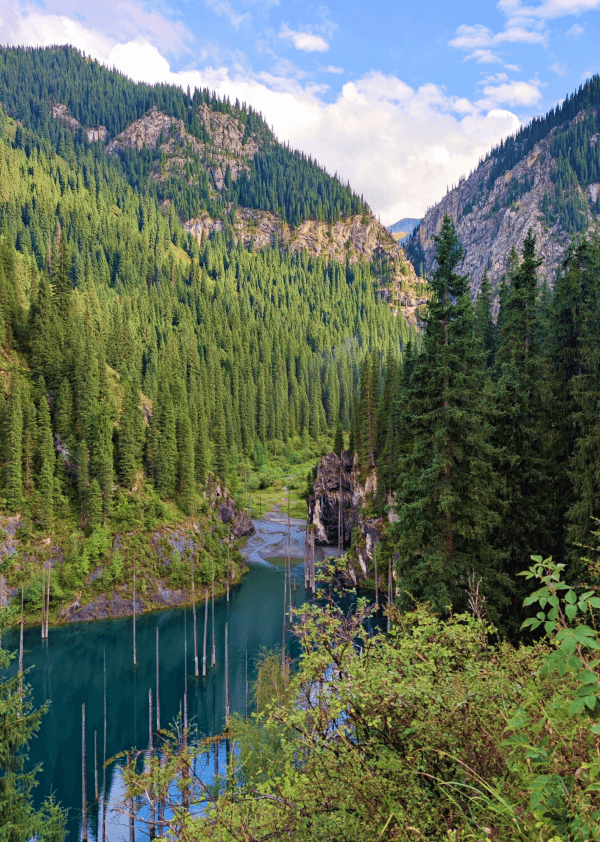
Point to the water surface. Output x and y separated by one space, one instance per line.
68 671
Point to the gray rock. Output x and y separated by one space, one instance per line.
494 225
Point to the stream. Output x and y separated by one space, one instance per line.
67 670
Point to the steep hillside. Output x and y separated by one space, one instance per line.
354 239
546 177
183 302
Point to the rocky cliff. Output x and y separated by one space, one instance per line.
324 509
355 238
493 213
94 134
225 145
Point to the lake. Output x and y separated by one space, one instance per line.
68 670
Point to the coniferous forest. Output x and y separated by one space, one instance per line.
140 367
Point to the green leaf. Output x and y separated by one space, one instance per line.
590 702
569 645
571 611
571 597
588 678
549 627
594 601
577 705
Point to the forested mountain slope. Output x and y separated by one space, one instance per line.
137 357
546 177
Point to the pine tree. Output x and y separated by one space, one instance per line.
185 473
101 452
446 497
338 441
518 434
131 434
19 722
46 460
484 324
583 359
14 448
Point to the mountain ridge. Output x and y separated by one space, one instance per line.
548 183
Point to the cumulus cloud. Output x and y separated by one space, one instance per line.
59 22
525 24
331 69
547 10
478 40
305 41
397 145
513 93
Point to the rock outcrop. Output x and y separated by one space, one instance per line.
354 238
62 112
227 145
240 523
324 512
491 219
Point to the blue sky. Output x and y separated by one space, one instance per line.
401 99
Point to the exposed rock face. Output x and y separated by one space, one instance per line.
61 112
496 222
350 239
323 512
324 503
239 521
157 130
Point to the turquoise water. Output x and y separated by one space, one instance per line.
68 671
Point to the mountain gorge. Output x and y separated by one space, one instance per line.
545 178
182 298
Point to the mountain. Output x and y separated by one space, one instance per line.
545 177
403 228
186 306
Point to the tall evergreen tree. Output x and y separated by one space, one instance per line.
46 460
14 448
518 438
446 499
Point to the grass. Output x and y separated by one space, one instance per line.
266 480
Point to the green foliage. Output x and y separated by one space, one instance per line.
554 741
429 731
446 495
19 723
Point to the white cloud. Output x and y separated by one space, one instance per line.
105 23
397 145
494 78
548 10
331 69
224 9
305 41
558 68
513 93
575 31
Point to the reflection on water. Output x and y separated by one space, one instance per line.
68 670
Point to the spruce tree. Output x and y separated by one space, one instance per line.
518 438
338 441
131 434
46 460
584 510
19 722
14 448
446 499
484 324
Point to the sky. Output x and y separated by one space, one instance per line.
400 99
